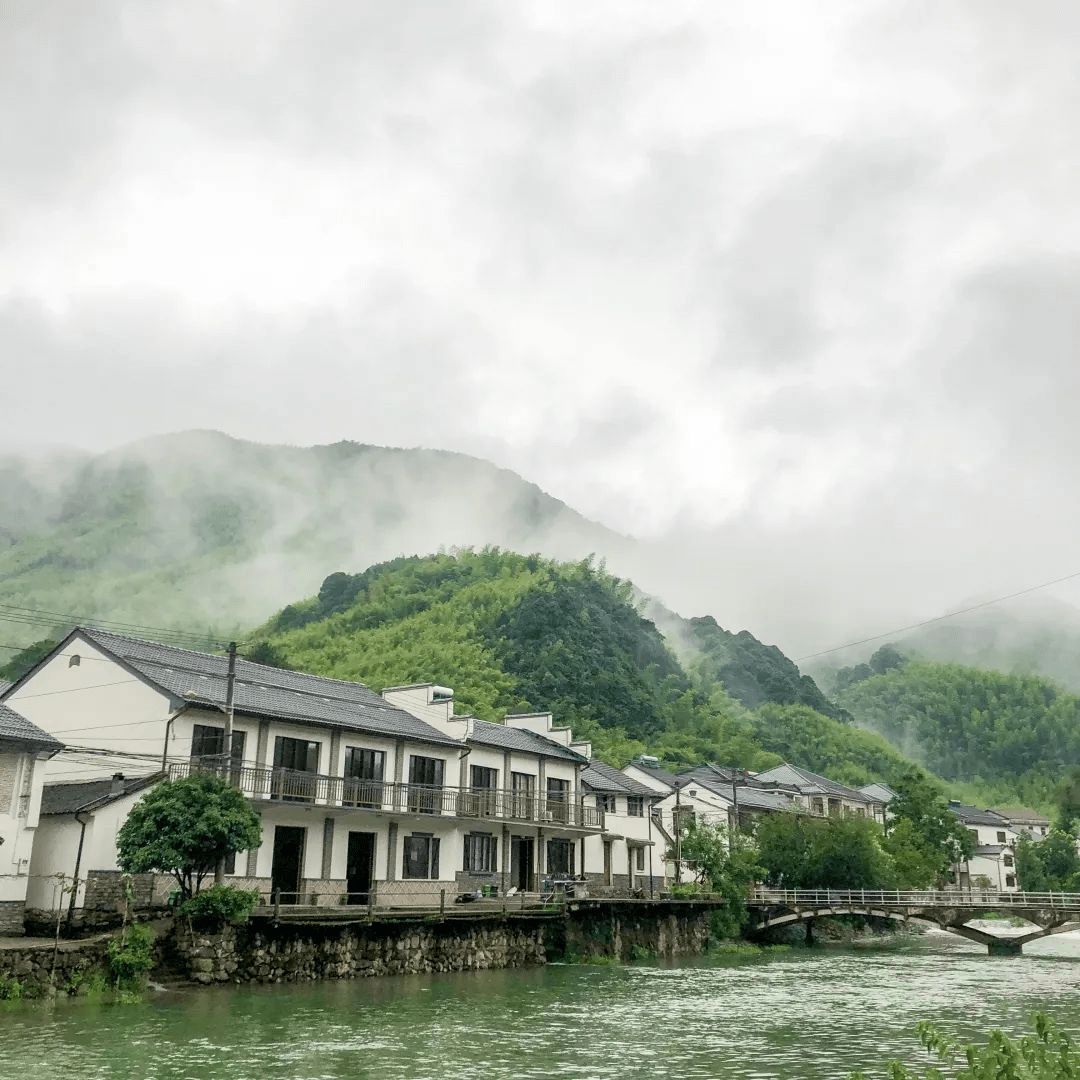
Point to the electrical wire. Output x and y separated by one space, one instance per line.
940 618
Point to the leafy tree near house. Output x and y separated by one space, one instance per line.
184 827
930 825
724 865
845 852
1051 864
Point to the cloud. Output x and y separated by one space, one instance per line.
789 287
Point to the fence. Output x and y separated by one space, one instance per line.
291 785
916 898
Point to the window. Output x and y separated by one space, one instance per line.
292 758
209 742
484 783
974 832
635 805
560 857
364 770
1010 881
639 860
425 784
296 754
523 787
817 806
605 802
480 854
1008 860
421 856
1001 837
557 792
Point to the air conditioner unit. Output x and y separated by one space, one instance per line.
547 815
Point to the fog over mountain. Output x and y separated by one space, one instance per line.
787 292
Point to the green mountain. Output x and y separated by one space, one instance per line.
517 633
202 531
995 735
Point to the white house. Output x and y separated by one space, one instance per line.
629 857
386 799
821 796
993 866
1025 822
24 752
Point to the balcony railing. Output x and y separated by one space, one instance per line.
291 785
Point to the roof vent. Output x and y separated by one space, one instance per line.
117 784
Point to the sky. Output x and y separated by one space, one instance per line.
789 290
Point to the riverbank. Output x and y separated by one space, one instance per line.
815 1014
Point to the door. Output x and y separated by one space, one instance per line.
359 863
288 861
522 859
425 784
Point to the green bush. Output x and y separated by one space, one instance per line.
1047 1055
10 988
220 904
131 956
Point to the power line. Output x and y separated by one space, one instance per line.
940 618
43 617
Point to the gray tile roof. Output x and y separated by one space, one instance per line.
601 777
502 737
880 793
90 794
1021 815
749 796
14 727
266 691
811 783
670 780
972 815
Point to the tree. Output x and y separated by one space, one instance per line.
184 827
823 853
916 865
920 802
1067 797
724 865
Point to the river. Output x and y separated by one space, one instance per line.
799 1014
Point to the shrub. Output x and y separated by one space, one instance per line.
220 904
10 988
131 956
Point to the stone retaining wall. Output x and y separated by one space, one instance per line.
299 952
33 965
11 916
630 930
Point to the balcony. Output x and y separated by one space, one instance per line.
262 783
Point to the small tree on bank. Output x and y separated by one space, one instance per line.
184 827
722 864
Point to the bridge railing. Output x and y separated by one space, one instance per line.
977 898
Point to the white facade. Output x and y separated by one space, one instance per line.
407 813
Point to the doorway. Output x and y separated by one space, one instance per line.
288 862
359 866
522 863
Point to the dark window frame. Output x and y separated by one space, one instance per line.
420 851
480 854
635 805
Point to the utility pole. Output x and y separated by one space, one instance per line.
230 684
678 833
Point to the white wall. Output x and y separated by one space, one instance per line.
97 703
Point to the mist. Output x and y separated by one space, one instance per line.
786 294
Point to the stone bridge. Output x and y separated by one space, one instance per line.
950 909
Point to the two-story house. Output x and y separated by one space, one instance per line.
822 797
629 857
364 798
993 865
24 752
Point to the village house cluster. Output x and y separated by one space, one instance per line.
382 799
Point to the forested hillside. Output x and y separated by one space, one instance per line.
511 633
1000 735
202 531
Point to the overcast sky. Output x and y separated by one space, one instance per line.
796 283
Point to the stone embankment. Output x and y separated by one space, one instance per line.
299 953
41 964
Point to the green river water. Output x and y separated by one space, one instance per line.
807 1014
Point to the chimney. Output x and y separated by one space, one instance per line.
117 784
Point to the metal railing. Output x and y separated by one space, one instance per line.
974 898
292 785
